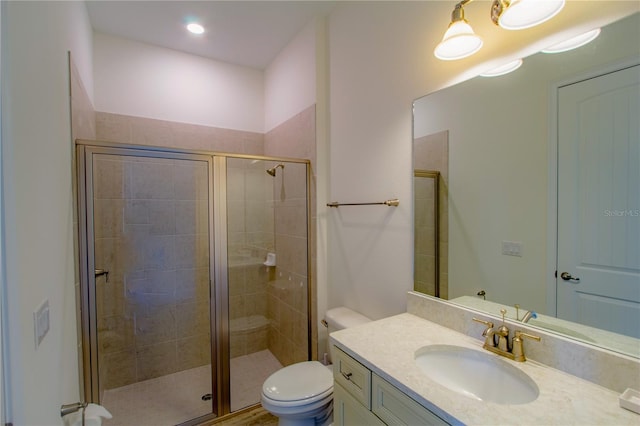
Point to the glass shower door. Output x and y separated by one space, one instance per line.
267 240
149 268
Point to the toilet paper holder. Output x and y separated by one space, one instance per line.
72 408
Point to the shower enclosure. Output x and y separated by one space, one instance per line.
194 279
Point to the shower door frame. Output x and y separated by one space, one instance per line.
218 263
85 150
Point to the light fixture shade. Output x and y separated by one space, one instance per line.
573 42
503 69
459 41
521 14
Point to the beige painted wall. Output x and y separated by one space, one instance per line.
38 201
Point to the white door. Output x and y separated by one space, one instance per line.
598 265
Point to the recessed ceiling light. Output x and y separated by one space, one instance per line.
195 28
574 42
503 69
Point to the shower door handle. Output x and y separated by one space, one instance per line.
100 272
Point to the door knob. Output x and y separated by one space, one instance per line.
567 277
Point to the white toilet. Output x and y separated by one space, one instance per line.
301 394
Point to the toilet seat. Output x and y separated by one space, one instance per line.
298 384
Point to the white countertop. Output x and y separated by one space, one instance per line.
387 347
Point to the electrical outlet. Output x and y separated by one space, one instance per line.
41 322
512 248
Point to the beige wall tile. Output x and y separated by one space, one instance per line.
192 284
193 351
113 127
118 369
146 131
192 319
108 218
159 325
156 360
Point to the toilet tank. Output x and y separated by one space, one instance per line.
341 317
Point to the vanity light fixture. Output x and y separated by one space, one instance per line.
573 42
521 14
503 69
195 28
459 41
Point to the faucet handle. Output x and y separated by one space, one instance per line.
520 333
489 324
518 349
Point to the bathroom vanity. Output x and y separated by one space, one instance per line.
378 381
362 397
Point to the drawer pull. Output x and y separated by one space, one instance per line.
347 375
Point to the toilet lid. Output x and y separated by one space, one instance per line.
299 381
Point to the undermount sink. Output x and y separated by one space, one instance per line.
476 374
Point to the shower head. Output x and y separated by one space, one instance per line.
272 171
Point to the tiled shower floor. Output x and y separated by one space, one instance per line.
176 398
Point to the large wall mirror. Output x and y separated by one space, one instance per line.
539 201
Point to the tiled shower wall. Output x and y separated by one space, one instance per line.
250 237
295 138
146 131
432 153
287 302
151 234
288 293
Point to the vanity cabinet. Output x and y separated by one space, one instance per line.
348 411
362 398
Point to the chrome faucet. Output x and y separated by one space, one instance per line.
527 316
515 351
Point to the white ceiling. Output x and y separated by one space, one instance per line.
248 33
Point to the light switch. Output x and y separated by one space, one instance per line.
512 248
41 322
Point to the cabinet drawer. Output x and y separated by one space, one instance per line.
396 408
353 376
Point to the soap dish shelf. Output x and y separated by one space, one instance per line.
630 399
